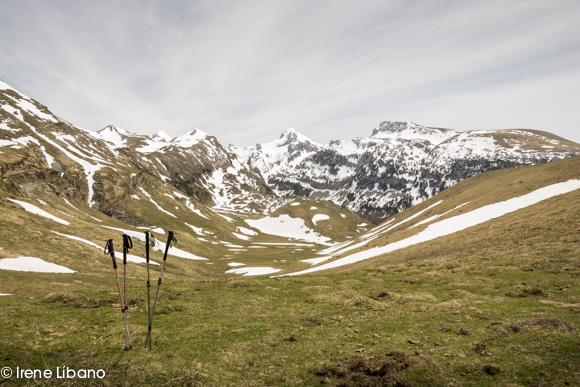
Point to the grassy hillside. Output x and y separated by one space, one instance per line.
546 228
494 304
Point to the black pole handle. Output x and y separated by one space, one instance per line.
147 236
149 241
170 239
110 250
127 244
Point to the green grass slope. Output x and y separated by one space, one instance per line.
546 228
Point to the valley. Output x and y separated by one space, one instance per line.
417 255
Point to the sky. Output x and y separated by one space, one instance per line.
246 70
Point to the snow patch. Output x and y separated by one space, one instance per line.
318 217
32 264
155 203
37 211
198 230
249 271
247 231
242 237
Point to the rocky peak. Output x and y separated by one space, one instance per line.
405 130
296 143
190 138
392 127
116 129
161 136
114 135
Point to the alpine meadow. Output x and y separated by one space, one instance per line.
410 256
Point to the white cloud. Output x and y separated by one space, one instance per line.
244 71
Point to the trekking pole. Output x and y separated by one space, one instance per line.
110 250
170 239
149 240
127 245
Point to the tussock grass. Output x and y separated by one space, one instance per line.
296 330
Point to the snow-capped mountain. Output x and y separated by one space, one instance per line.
199 165
107 169
399 165
279 156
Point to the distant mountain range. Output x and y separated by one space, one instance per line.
400 164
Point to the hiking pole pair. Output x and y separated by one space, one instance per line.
109 249
170 239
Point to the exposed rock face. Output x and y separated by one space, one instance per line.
399 165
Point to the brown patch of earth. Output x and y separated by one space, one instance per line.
368 371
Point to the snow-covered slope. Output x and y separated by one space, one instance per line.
280 156
401 164
198 164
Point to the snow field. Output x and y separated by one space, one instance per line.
286 226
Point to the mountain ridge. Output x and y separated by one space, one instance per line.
399 165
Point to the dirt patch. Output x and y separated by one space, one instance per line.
236 283
544 323
75 300
348 299
380 296
368 371
54 297
526 291
491 369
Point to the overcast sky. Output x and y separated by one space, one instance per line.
244 71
